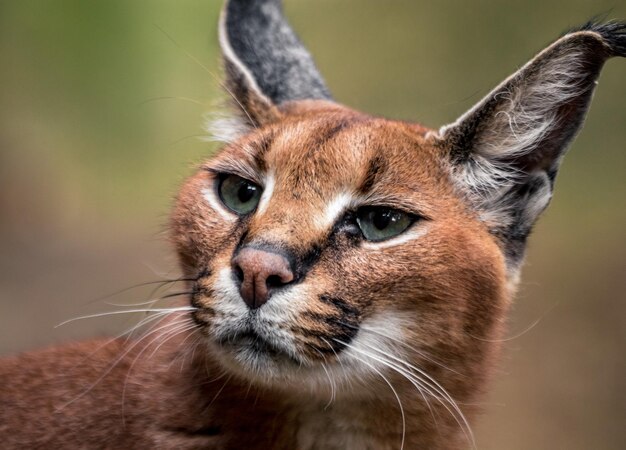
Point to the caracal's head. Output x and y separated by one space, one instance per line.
327 242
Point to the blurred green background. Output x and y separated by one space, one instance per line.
100 119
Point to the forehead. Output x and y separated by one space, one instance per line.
325 154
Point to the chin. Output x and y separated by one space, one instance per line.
249 356
265 364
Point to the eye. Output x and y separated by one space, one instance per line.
238 194
380 223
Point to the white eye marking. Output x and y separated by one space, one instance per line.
334 209
215 203
268 190
417 231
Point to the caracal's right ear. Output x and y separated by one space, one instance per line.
266 64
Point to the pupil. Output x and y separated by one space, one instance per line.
381 219
245 193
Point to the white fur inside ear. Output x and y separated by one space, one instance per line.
530 112
530 109
527 116
520 117
501 213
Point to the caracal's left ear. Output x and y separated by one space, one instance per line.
266 64
505 151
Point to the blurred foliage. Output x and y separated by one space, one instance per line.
101 106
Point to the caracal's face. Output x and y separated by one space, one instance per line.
419 288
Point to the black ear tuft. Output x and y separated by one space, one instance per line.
613 33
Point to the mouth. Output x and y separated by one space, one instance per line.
250 340
249 346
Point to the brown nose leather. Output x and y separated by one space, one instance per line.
259 272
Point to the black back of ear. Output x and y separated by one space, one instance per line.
266 64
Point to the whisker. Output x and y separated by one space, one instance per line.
194 347
175 327
177 141
422 386
404 344
395 393
207 70
109 369
330 380
111 313
147 320
179 330
152 300
186 99
417 384
219 392
431 384
177 294
129 332
343 368
521 333
135 286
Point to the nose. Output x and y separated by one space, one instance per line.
259 272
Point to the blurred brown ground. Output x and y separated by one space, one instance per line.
92 148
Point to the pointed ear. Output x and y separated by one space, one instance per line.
266 64
505 151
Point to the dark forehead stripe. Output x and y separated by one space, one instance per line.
375 168
330 130
262 146
324 134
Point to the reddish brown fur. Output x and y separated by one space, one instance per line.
457 303
310 369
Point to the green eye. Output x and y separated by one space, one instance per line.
379 223
238 194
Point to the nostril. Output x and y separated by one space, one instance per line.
274 281
239 273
